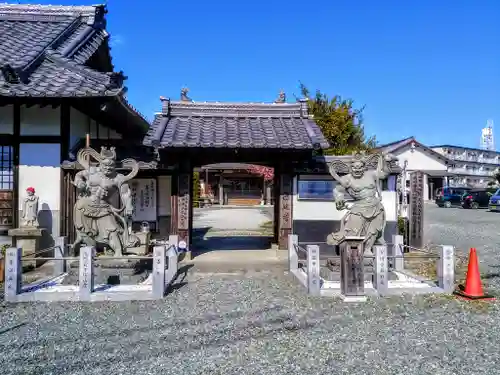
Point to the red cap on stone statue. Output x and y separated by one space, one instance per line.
31 189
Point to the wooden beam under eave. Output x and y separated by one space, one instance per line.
65 126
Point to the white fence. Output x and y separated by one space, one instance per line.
384 264
164 272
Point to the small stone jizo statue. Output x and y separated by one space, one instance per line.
30 209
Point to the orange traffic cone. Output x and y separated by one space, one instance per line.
473 287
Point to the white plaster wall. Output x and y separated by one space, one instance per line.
164 195
326 210
389 202
419 160
45 180
40 121
7 119
39 168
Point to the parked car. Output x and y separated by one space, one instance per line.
477 198
450 196
494 203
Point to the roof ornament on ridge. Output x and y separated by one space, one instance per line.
184 96
281 97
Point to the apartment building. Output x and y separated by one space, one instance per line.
469 166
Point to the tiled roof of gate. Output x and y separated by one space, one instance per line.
43 49
235 125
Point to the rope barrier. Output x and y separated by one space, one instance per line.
42 251
49 258
297 247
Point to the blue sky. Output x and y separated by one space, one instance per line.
425 68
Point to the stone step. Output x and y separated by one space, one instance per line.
109 276
113 271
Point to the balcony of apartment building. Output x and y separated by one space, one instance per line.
472 155
474 182
470 170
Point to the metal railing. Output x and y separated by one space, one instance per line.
164 270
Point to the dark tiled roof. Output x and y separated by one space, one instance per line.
235 125
44 49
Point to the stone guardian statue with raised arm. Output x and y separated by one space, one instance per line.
97 220
365 215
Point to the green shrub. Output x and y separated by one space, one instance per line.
401 225
3 249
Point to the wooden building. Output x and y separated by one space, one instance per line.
190 135
57 84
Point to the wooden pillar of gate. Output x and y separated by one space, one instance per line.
67 203
284 203
182 202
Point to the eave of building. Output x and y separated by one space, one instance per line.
52 61
398 145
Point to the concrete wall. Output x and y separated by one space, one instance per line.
314 220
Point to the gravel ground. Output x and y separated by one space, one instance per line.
254 323
465 229
262 322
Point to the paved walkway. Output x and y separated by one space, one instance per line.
219 229
230 218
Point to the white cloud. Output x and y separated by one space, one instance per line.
116 40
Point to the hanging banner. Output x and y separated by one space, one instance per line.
143 191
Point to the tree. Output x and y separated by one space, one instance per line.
340 122
266 172
496 180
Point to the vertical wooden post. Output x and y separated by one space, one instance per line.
60 252
285 208
352 279
174 200
183 212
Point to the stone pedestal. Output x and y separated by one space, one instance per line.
142 249
28 239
